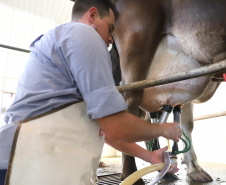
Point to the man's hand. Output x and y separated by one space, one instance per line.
173 168
171 131
158 157
126 127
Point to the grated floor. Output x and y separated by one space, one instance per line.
110 175
113 179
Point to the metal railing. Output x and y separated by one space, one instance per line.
14 48
208 116
202 71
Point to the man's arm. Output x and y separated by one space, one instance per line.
125 127
122 130
135 150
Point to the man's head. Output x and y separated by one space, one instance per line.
100 14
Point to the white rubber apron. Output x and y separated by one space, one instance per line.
63 148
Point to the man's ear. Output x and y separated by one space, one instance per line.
92 15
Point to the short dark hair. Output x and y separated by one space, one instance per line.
103 6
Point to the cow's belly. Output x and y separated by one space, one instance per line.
170 59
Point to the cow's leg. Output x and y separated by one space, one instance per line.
129 166
128 162
137 42
194 170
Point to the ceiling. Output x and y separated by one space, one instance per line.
57 10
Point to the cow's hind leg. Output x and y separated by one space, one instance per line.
194 170
129 167
137 42
128 162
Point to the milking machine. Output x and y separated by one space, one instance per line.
170 156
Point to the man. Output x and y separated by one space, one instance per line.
60 134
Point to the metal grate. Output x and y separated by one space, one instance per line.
113 179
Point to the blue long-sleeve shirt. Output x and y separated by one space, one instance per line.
69 63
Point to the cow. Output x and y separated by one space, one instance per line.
163 37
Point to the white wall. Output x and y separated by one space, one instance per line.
209 136
17 28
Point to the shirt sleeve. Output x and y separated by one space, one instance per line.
89 61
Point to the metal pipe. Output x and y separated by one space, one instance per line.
176 118
166 110
165 113
177 114
14 48
208 116
154 117
154 120
163 117
202 71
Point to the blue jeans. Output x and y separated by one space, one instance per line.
2 176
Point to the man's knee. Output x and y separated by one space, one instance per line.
2 176
7 133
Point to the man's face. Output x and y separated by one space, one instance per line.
105 27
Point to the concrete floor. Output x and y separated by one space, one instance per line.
217 171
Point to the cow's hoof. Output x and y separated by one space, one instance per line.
170 177
139 182
200 176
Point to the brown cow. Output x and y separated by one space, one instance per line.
164 37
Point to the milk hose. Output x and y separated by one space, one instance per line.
187 145
186 149
164 167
